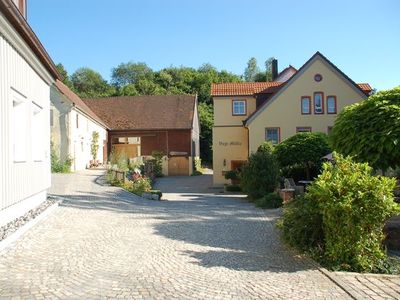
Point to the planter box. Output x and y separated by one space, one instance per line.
286 194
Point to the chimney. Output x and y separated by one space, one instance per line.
274 69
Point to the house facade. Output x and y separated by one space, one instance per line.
72 125
26 74
139 125
306 100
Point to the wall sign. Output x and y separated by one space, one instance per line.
233 143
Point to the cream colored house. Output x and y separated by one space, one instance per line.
248 113
72 124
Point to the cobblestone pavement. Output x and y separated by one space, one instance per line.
369 286
103 242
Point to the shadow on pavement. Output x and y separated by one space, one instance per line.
240 236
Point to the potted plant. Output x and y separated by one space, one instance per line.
233 175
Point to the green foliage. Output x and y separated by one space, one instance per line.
232 174
233 188
158 157
94 147
119 159
342 215
58 165
260 175
131 73
197 164
271 200
303 149
266 147
302 224
139 186
88 83
354 207
156 192
64 74
196 173
251 70
206 117
370 131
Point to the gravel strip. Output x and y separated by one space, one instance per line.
14 225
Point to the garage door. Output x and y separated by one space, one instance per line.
178 166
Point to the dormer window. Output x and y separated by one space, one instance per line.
239 107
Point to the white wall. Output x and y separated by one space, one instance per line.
81 140
31 175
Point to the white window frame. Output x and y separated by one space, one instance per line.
328 98
37 128
241 104
19 127
278 132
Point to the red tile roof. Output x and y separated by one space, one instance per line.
74 98
145 112
365 87
240 88
251 88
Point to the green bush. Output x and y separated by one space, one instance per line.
303 150
139 186
233 188
156 192
271 200
119 159
232 174
354 207
302 224
196 173
259 175
197 164
57 165
158 156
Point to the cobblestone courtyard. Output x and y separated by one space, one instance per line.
102 242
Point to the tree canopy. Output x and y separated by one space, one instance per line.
370 131
304 149
89 84
251 70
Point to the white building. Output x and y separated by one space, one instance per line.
72 125
26 74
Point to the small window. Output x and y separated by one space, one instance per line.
239 107
331 104
305 105
273 135
318 103
20 127
303 129
38 130
77 121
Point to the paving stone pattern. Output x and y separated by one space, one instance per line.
103 242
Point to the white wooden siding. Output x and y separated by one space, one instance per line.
19 181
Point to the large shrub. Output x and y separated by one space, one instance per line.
370 131
354 206
259 175
138 186
304 150
302 224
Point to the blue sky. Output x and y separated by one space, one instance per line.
361 37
